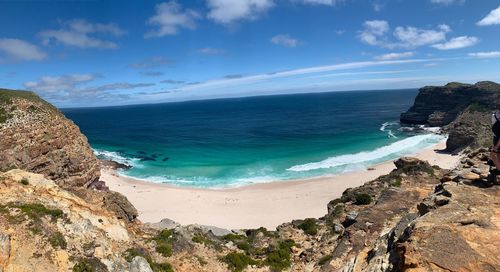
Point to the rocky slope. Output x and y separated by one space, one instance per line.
36 137
462 109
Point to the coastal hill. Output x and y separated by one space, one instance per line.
55 215
462 109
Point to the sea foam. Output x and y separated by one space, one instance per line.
396 149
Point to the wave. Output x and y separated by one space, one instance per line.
116 157
386 128
399 148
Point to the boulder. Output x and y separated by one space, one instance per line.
139 264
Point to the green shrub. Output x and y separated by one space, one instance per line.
24 181
36 211
309 226
164 249
279 258
57 240
83 266
363 199
238 261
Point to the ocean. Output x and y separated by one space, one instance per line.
239 141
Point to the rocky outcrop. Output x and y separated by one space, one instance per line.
462 109
439 106
36 137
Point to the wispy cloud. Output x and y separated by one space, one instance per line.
457 43
285 40
394 56
49 84
80 33
21 50
152 73
169 18
486 55
493 18
320 2
172 81
448 2
230 11
151 63
211 51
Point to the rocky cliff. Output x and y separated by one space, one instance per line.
462 109
36 137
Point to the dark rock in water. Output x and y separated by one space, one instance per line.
165 159
141 152
115 165
154 156
145 158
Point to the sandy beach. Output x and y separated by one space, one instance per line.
260 205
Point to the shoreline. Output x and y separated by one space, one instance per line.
255 205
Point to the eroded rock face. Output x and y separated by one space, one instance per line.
439 106
36 137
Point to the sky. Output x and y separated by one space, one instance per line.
86 53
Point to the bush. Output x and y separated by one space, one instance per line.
57 240
24 181
36 211
309 226
363 199
325 259
238 261
164 249
279 258
164 241
83 266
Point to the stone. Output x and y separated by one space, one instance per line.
4 249
165 224
139 264
470 176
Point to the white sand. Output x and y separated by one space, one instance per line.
267 204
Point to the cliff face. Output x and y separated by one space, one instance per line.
36 137
439 106
463 111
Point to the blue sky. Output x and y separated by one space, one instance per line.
96 53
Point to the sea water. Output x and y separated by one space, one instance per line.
239 141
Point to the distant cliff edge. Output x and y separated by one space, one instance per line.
463 110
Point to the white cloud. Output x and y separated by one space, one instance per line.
229 11
151 63
493 18
210 51
414 37
376 33
457 43
50 84
169 18
320 2
448 2
486 55
284 40
21 50
78 33
394 56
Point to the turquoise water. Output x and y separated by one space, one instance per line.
233 142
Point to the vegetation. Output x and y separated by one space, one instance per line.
279 258
4 116
363 199
238 261
414 168
57 240
36 211
477 107
309 226
24 181
83 266
164 241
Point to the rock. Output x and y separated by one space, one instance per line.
471 176
120 205
4 249
219 232
338 228
38 138
139 264
165 224
350 218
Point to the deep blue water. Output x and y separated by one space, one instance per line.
230 142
